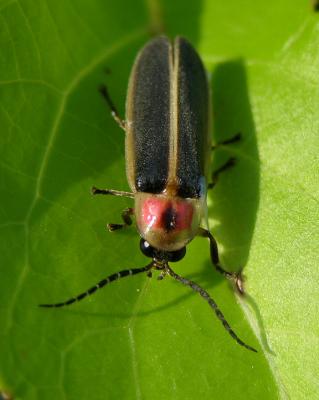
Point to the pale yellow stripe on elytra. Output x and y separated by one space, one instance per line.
129 137
173 135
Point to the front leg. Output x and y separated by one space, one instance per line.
126 214
235 277
126 217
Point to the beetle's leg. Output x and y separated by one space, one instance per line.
205 295
126 217
229 163
112 192
236 277
236 138
102 283
215 175
104 92
126 214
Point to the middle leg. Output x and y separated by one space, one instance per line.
215 175
228 164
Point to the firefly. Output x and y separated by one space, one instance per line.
167 149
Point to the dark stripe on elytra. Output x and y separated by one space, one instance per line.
150 101
193 118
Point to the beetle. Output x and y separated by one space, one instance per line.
167 149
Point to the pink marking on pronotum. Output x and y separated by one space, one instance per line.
156 212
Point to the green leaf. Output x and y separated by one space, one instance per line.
140 338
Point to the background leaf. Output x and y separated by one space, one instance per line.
141 338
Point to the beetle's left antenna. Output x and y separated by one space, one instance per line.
212 304
102 283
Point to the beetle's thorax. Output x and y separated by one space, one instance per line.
167 222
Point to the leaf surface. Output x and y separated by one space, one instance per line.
141 338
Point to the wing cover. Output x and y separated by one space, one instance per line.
148 116
193 120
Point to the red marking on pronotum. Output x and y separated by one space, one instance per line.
167 214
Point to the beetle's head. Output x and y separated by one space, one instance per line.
166 223
160 255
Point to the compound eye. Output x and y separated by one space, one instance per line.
146 248
177 255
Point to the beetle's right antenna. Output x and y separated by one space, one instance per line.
102 283
212 304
